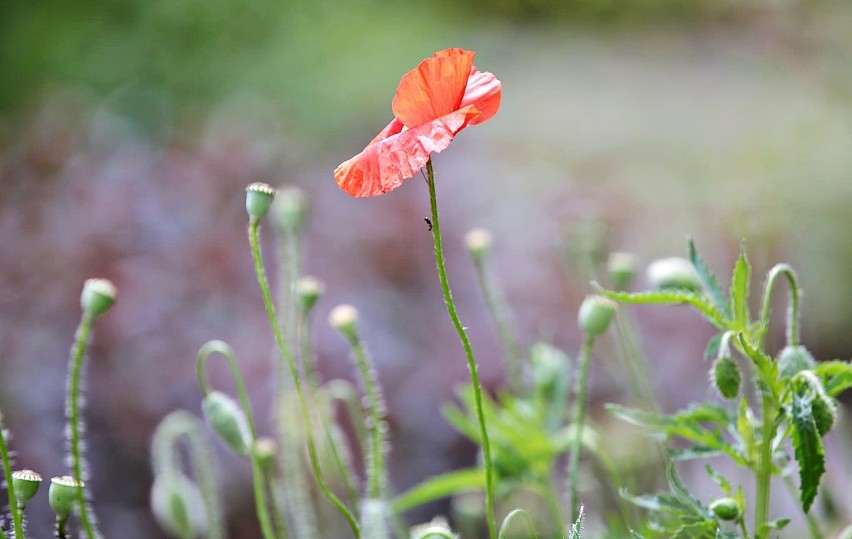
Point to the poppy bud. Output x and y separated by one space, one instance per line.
478 243
824 410
308 291
726 377
674 272
259 197
725 509
63 494
265 449
97 297
622 269
226 418
26 484
595 314
178 506
290 210
794 359
344 318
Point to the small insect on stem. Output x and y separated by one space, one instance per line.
428 223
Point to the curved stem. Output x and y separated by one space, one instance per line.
792 310
471 362
17 516
580 390
74 420
258 480
284 350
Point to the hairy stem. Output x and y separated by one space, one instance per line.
580 390
764 467
17 516
792 308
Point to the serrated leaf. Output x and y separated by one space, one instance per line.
745 431
706 529
711 284
739 291
683 493
712 348
724 484
766 368
836 376
694 452
777 524
665 503
669 297
471 479
576 530
807 447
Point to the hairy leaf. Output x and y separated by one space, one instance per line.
720 480
709 280
739 291
836 376
807 447
668 297
766 368
471 479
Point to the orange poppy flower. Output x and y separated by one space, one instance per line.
434 101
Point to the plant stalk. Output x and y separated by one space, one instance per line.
17 516
580 390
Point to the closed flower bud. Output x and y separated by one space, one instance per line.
265 449
97 297
725 509
622 269
178 506
226 418
308 291
26 484
595 314
794 359
290 210
63 494
478 243
259 197
674 272
344 318
726 377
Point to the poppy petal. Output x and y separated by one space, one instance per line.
434 88
385 163
483 91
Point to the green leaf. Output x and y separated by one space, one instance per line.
576 530
836 376
777 524
712 349
694 452
807 447
669 297
745 431
739 291
709 280
683 494
766 368
470 479
720 480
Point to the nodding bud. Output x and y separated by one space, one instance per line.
63 494
726 377
290 210
97 297
674 272
26 484
344 318
178 506
595 314
265 449
823 407
622 269
225 417
259 197
308 291
794 359
478 242
725 509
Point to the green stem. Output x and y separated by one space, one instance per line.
551 498
17 515
741 522
74 420
258 478
580 390
284 350
792 309
764 470
471 362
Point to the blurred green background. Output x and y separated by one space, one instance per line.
129 128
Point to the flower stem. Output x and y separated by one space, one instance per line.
17 517
471 362
284 350
764 470
580 390
792 309
74 420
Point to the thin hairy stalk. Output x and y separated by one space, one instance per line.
580 392
74 420
293 484
471 362
764 466
792 309
284 350
17 515
634 361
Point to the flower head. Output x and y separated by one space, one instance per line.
440 97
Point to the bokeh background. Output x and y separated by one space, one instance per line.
129 129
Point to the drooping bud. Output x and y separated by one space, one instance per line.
178 506
725 509
478 242
344 318
308 291
726 377
290 210
97 297
674 272
259 197
824 409
63 494
794 359
225 417
595 314
622 269
265 449
26 484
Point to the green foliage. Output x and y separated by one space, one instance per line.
669 297
438 487
808 449
711 284
836 376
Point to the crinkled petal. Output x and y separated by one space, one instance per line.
384 164
483 91
434 88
